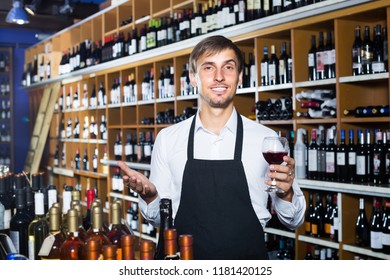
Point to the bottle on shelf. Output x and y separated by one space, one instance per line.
317 227
300 151
328 215
342 163
334 229
312 162
362 228
376 228
311 58
265 68
386 230
378 63
273 67
357 66
118 147
378 160
351 157
320 53
309 214
330 157
366 51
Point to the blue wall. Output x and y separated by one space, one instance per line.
19 40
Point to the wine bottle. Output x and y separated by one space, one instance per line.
328 215
97 231
300 151
19 224
368 149
265 68
38 228
334 229
312 162
72 248
90 194
321 160
118 147
361 159
351 157
50 249
378 65
166 222
116 229
185 244
376 228
109 252
386 145
378 160
342 159
147 249
330 157
311 59
386 230
329 57
317 227
357 67
128 247
284 73
170 244
367 51
6 202
309 214
273 67
362 228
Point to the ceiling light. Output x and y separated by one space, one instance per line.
17 14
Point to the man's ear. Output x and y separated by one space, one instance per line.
193 79
239 83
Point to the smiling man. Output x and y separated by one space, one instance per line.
212 168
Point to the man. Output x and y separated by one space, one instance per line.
212 168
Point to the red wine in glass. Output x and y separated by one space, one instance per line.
274 157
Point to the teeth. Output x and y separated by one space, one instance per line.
219 89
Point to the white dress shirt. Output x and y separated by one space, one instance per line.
169 158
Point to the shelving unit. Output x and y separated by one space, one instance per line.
6 109
294 27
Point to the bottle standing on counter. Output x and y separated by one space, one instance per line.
38 228
186 250
166 222
72 248
170 244
50 249
19 224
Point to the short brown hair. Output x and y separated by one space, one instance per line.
212 45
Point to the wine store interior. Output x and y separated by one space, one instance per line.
86 86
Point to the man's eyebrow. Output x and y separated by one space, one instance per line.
213 63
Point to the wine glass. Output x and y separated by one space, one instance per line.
274 149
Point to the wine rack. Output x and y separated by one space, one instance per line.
295 28
6 109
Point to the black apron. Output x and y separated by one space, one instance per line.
215 207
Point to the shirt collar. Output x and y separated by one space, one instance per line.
230 125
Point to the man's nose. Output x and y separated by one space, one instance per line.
218 75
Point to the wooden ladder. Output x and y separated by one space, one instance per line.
41 127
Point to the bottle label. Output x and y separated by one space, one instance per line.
330 162
129 149
378 67
341 159
376 164
47 245
311 60
386 239
314 229
31 247
360 165
312 163
7 218
352 158
376 240
320 61
272 73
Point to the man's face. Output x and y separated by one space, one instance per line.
217 78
